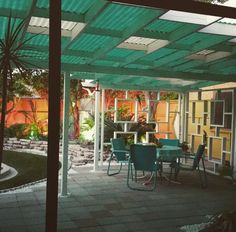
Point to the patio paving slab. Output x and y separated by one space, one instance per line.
98 203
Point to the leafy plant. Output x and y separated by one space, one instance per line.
18 130
88 124
184 146
36 128
11 57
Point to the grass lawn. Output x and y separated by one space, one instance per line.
30 168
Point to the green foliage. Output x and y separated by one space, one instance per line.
34 132
170 96
18 130
83 140
226 169
141 127
124 113
184 146
88 124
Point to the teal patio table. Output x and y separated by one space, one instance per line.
172 155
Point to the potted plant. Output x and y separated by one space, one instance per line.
185 147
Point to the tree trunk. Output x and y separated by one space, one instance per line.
76 115
153 104
3 113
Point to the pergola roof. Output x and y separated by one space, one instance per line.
131 47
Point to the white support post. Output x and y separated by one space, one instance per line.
167 116
183 116
186 114
179 116
64 192
233 141
126 94
97 117
102 127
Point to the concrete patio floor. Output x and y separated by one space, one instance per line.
101 203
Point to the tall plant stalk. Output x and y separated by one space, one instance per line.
3 113
11 58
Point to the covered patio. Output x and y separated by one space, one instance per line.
128 45
102 204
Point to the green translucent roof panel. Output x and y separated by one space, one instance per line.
88 42
121 52
15 4
167 59
74 6
33 54
163 26
188 65
41 40
73 60
207 39
159 54
128 46
4 25
104 62
119 17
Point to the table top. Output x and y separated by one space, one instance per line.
169 153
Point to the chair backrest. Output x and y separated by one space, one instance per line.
143 156
169 142
199 155
118 148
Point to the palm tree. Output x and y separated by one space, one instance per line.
11 58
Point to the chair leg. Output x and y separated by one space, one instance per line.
170 176
205 175
129 167
202 180
140 189
109 166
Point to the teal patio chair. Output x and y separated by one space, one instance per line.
169 142
120 153
196 158
173 165
142 158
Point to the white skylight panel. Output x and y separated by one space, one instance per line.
221 28
39 22
67 25
205 52
233 40
139 40
228 21
186 17
44 22
176 81
209 55
143 44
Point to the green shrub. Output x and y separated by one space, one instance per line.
18 130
